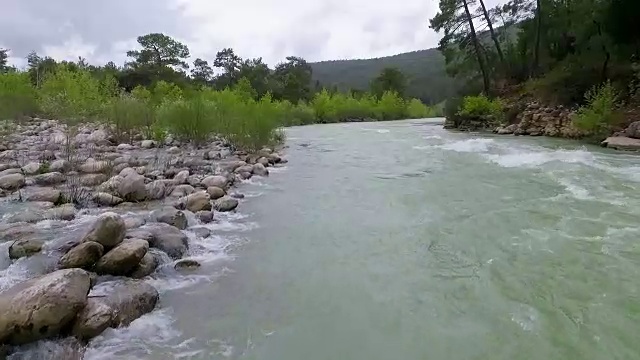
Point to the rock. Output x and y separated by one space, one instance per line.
10 170
25 247
44 194
60 166
146 267
97 136
28 217
168 239
83 256
124 147
236 195
31 168
181 177
92 167
173 150
108 230
225 204
274 158
122 259
215 180
65 212
139 234
198 201
633 130
622 143
260 170
182 190
132 187
201 232
205 217
215 192
114 304
16 231
148 144
244 175
264 161
51 178
134 222
110 186
155 190
171 216
243 169
186 264
40 308
93 179
105 199
12 181
194 180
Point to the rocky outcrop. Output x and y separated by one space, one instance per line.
539 120
42 307
114 304
108 230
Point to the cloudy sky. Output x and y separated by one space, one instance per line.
273 29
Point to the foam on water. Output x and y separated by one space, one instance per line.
537 158
469 145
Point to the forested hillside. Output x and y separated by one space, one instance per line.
425 70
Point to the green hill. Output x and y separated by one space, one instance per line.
425 70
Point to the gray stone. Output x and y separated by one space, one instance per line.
12 181
122 259
146 267
205 217
215 192
92 166
633 130
182 190
31 168
134 222
44 194
622 143
171 216
105 199
186 265
264 161
155 190
51 178
168 239
93 179
181 177
260 170
197 201
147 144
132 187
215 180
40 308
225 204
108 230
84 256
65 212
201 232
243 169
60 166
114 304
124 147
25 247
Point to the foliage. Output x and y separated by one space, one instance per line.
17 96
479 106
128 114
600 114
188 119
389 79
159 50
4 68
417 110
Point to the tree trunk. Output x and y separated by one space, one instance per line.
476 45
494 37
536 51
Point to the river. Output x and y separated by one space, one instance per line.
401 240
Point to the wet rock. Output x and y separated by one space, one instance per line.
243 169
173 150
146 267
260 170
168 239
148 144
197 201
65 212
122 259
51 178
93 179
236 195
205 217
83 256
181 177
25 247
155 190
92 166
201 232
274 158
97 136
26 217
633 130
182 190
264 161
225 204
111 186
233 165
194 180
215 180
31 168
124 147
108 230
140 234
114 304
215 192
186 264
16 231
622 143
105 199
10 171
40 308
171 216
12 181
134 222
132 187
68 348
244 175
44 194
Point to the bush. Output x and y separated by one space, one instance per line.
17 96
128 115
188 119
481 106
391 106
417 110
600 113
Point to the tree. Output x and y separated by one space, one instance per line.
494 37
201 72
259 76
294 79
3 60
159 50
389 79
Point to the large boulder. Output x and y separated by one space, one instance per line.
66 212
197 201
215 180
25 247
205 216
44 194
181 177
155 190
12 181
260 170
168 239
31 168
40 308
622 143
83 256
105 199
60 165
93 179
633 130
148 144
225 203
51 178
147 266
171 216
114 304
92 166
132 187
182 190
122 259
108 230
215 192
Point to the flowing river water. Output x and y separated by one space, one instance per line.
401 240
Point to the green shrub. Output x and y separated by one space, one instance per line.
418 110
128 115
17 96
600 114
480 106
391 106
188 119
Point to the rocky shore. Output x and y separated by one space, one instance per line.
84 276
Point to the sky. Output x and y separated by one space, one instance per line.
316 30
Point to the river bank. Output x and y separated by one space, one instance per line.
94 231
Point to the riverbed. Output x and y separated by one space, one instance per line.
401 240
